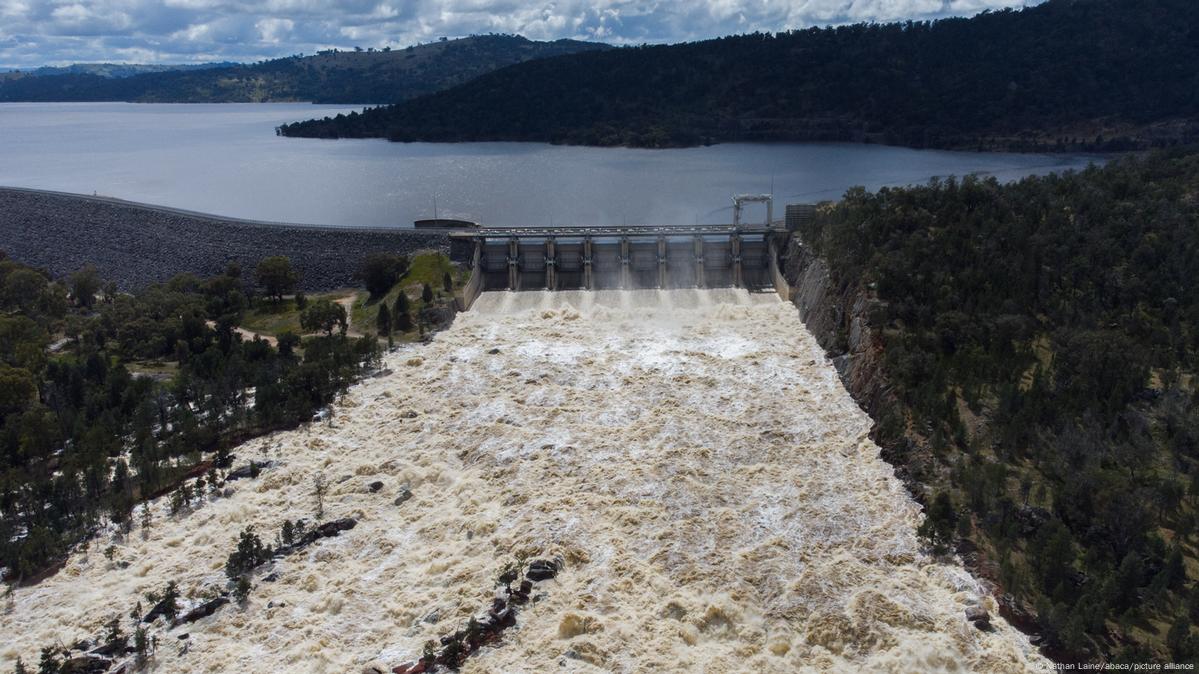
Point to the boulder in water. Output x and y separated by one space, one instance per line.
543 569
250 470
203 610
85 664
979 616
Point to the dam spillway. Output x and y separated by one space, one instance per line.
690 454
620 258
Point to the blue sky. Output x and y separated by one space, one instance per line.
56 32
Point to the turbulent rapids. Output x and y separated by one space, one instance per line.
690 455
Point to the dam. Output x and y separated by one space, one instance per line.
630 257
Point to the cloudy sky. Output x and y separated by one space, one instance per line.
56 32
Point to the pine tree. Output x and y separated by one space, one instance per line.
939 524
170 598
241 591
426 293
383 321
250 553
49 663
141 645
447 282
401 314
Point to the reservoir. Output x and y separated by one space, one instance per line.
226 159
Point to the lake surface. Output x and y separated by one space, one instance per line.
226 159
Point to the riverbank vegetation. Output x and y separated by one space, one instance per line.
1042 339
1061 75
86 433
420 311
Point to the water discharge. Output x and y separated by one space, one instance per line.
691 455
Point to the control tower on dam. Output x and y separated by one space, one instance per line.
737 255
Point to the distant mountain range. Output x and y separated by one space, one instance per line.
111 70
368 76
1062 75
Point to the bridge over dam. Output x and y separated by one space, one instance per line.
627 256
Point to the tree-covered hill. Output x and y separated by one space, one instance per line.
369 76
1066 74
1042 342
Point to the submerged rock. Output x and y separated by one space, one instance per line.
405 494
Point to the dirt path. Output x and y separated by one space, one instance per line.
347 303
248 335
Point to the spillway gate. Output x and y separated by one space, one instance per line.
621 257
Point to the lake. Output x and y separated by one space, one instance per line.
226 159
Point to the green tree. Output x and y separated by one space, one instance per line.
939 524
249 554
426 293
380 271
447 282
287 342
141 645
383 321
1179 640
1055 554
276 277
1126 582
49 664
401 315
17 389
170 600
324 315
241 591
85 283
21 288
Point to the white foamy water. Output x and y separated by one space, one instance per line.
690 454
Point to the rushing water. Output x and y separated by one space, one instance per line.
225 159
691 455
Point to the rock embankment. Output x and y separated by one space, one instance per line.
137 244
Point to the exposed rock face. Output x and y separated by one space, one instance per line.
843 320
136 245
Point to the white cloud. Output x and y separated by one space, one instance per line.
40 32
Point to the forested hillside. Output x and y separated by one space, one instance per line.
370 76
1066 74
1042 338
107 399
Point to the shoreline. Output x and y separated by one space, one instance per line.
136 244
